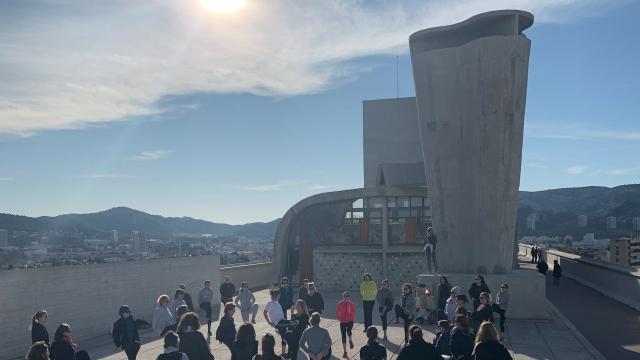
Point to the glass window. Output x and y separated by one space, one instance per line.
347 215
358 204
403 202
391 202
376 202
375 214
416 202
357 215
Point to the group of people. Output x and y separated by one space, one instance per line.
537 258
297 323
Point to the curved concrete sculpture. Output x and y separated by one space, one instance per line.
471 83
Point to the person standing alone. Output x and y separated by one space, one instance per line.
368 292
557 272
205 296
430 249
125 333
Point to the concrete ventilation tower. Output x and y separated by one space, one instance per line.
471 86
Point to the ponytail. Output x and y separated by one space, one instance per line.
38 314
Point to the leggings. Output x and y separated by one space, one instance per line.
503 317
383 317
345 329
406 319
132 350
368 313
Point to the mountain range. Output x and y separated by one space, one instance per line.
556 212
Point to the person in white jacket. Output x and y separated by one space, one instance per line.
162 316
451 305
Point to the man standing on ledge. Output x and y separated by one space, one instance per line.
430 248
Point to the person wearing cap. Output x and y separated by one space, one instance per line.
246 302
187 297
125 333
500 307
443 338
205 297
451 304
162 316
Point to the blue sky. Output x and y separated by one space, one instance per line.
234 118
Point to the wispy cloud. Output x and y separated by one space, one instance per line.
6 178
624 171
153 155
576 170
535 165
280 185
319 187
90 62
110 176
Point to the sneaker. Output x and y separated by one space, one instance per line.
253 321
350 344
345 355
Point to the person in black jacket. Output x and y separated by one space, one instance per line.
226 332
444 290
171 344
417 348
479 286
303 292
315 302
38 329
557 272
373 350
192 342
299 322
442 341
542 265
187 297
227 291
461 339
63 347
487 346
246 346
483 313
125 333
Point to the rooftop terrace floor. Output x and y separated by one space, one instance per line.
554 338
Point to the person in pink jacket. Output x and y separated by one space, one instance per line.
346 314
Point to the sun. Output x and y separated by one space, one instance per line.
223 6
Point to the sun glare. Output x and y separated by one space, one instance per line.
223 6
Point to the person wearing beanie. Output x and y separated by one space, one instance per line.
125 333
443 338
171 345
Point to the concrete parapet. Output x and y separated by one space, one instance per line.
258 275
527 298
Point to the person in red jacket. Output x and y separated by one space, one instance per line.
346 314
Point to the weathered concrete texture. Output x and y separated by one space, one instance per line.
471 92
526 290
390 138
88 296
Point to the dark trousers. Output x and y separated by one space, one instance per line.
430 253
383 317
206 306
345 329
281 328
406 320
503 317
284 311
368 313
131 350
556 280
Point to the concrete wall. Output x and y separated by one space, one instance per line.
390 135
471 84
621 283
258 275
87 297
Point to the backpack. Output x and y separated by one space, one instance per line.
176 355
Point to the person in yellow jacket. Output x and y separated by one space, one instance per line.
368 292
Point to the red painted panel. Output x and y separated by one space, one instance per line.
305 264
410 230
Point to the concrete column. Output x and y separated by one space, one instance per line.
471 82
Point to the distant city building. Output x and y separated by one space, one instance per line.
114 236
611 222
531 221
636 223
4 238
582 221
620 251
135 241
